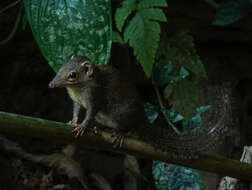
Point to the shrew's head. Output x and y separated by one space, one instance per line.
77 70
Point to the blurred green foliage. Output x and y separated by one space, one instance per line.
65 28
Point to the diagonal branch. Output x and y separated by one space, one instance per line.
55 131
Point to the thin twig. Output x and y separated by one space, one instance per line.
10 6
15 27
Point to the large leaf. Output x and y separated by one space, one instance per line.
162 73
186 94
231 11
151 3
143 29
63 28
123 12
181 52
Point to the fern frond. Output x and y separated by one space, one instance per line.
143 4
143 30
122 13
182 52
186 94
143 36
153 14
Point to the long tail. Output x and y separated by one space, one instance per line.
214 127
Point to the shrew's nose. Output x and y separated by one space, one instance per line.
51 85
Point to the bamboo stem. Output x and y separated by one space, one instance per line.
56 131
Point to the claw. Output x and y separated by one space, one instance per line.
79 130
118 139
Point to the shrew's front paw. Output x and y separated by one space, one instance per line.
73 123
118 139
79 130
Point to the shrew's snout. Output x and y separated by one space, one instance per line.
52 84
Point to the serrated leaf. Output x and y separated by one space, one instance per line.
135 29
151 3
122 13
182 53
186 96
63 28
153 14
231 11
142 31
168 91
151 112
162 73
143 36
116 38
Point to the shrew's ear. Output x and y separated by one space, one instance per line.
87 68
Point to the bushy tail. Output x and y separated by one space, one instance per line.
214 127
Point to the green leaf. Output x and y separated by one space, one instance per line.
151 3
182 53
151 112
231 11
168 91
195 123
183 73
186 94
162 73
153 14
143 36
172 115
63 28
116 38
122 13
143 30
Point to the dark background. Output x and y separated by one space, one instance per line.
25 74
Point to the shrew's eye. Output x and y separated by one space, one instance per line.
72 75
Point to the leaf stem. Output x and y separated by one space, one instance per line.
161 104
159 97
173 127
